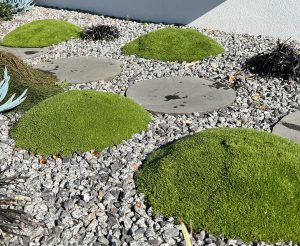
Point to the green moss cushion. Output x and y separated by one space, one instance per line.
79 121
236 182
173 44
41 33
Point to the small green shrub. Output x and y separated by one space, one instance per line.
41 33
236 182
6 12
173 45
100 32
79 120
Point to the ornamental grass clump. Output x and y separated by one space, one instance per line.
40 84
100 32
12 216
283 61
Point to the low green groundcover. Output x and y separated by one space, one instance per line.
173 44
79 121
236 182
41 33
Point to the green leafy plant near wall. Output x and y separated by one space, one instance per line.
6 12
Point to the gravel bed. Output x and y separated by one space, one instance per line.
91 199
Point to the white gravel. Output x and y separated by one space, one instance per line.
89 200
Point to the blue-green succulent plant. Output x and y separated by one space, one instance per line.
10 103
19 5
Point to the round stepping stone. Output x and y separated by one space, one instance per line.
289 127
181 95
82 69
26 53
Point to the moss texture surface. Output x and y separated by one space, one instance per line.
173 45
41 33
79 121
236 182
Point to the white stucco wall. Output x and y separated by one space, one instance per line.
277 18
171 11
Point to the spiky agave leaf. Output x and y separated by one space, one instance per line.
283 61
4 84
100 32
10 103
19 5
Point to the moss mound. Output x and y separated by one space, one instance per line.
79 120
40 84
236 182
41 33
173 44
